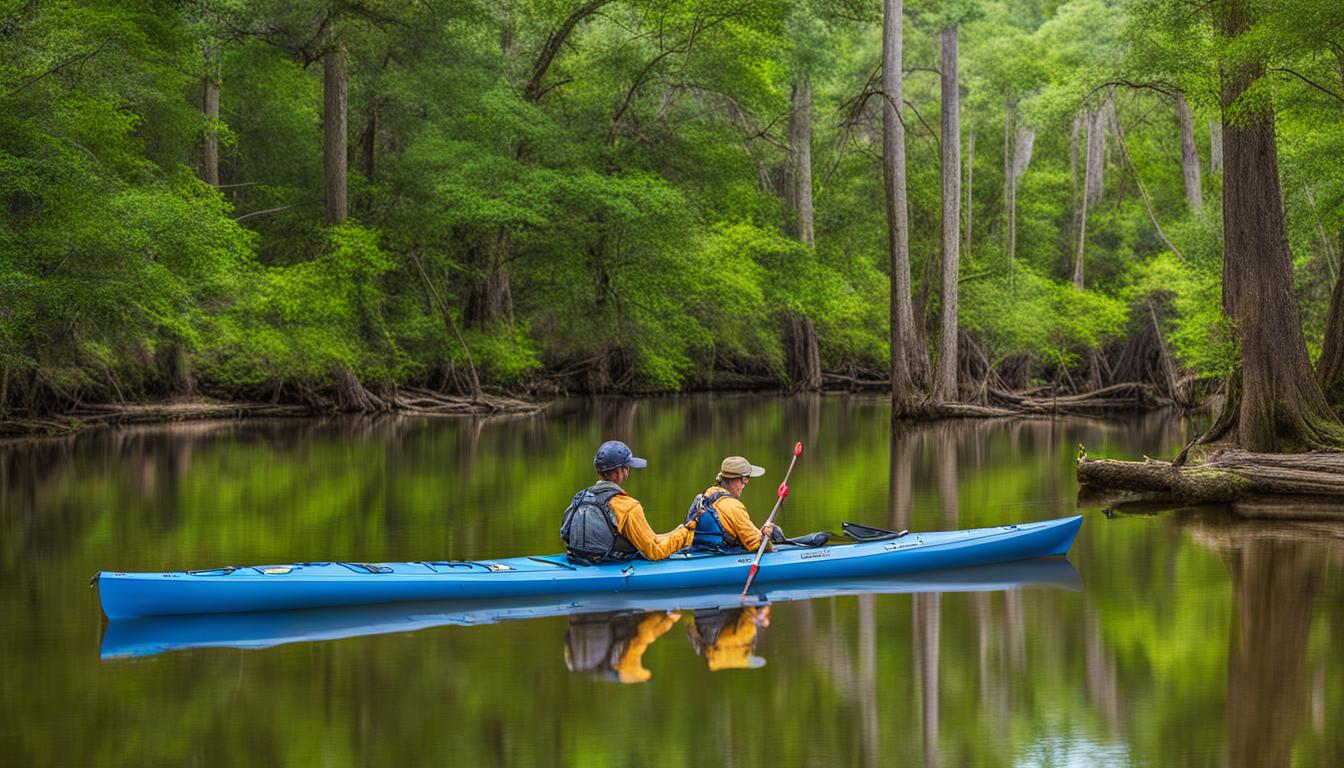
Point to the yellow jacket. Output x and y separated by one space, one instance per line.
631 523
630 667
733 648
735 520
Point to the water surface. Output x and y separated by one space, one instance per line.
1198 637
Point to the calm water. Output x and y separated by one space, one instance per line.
1192 638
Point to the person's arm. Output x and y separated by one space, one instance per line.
734 518
632 524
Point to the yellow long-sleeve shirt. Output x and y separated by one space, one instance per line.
632 524
735 520
629 667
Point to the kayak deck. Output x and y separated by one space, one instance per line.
314 585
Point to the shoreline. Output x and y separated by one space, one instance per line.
169 411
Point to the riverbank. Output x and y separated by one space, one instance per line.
415 402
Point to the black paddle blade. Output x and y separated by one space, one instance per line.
861 532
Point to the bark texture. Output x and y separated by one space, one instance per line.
1189 156
800 141
1280 405
945 373
209 170
1215 146
1017 146
334 102
804 359
1223 475
903 338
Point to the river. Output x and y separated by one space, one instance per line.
1189 637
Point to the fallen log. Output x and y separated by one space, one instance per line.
1222 475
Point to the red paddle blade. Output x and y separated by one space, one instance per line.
798 449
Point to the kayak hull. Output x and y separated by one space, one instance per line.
150 635
319 585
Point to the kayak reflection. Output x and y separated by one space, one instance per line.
147 636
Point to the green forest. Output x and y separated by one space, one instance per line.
328 202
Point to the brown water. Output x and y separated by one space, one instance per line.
1197 638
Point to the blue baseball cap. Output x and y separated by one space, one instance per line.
614 454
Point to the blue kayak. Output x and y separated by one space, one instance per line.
235 589
147 636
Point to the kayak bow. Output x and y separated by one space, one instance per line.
316 585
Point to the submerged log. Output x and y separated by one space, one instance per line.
1222 475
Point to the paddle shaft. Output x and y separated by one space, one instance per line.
779 500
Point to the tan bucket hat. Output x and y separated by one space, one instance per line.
736 466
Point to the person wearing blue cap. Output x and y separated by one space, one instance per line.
603 523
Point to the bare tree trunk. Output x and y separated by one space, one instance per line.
1215 147
1138 181
209 170
1009 191
1092 187
970 176
945 373
800 139
1275 403
1189 156
801 348
554 42
898 234
368 145
334 134
1018 148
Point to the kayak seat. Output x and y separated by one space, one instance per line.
862 533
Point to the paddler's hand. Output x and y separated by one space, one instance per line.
768 530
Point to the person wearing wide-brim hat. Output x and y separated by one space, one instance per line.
603 523
722 521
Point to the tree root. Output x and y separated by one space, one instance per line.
1222 475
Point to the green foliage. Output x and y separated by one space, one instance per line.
629 224
1025 313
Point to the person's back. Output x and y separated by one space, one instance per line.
604 524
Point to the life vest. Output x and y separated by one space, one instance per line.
710 535
589 526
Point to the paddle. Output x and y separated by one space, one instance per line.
780 494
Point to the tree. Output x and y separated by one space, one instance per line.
903 336
945 373
1273 401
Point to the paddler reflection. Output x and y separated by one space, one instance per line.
727 638
611 646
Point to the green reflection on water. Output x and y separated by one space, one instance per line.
1195 641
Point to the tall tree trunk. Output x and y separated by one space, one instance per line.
801 353
1009 191
209 170
368 145
1092 187
1274 401
1215 147
334 134
1189 156
800 140
1017 145
970 177
945 373
898 235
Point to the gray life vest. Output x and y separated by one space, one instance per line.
589 526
